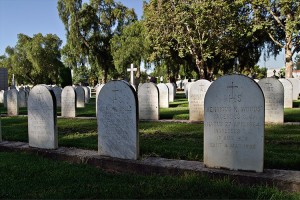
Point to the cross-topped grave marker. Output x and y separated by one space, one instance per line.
131 70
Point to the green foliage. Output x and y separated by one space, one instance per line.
35 60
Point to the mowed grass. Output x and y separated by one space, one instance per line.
168 140
27 176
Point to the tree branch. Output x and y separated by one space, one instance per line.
276 18
273 39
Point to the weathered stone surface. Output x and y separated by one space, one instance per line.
22 98
57 92
296 87
148 102
172 91
274 99
68 102
118 121
86 94
42 120
12 102
3 79
98 89
234 124
196 99
5 98
1 96
163 95
288 93
80 97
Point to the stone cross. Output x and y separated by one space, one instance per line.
232 90
131 70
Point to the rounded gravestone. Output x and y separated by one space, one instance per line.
57 92
80 97
163 95
98 89
117 120
196 99
86 94
68 102
148 102
12 102
274 99
288 93
42 120
296 85
2 96
234 124
22 98
172 91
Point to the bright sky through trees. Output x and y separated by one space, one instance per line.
41 16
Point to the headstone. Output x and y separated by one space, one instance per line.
57 92
118 121
80 97
274 99
3 79
98 89
196 99
42 120
12 102
163 95
86 94
1 96
234 124
22 99
187 87
132 70
148 102
172 91
5 98
68 102
296 85
288 93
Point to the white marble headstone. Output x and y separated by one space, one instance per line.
163 95
148 102
22 98
172 91
2 96
296 86
68 102
57 92
42 120
274 99
196 99
288 93
86 94
117 120
80 97
12 102
98 89
234 124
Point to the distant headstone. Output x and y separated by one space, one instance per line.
80 97
3 79
68 102
12 102
22 98
234 124
57 92
172 91
132 70
296 86
187 87
196 99
86 94
274 99
98 89
288 93
163 95
148 102
118 121
42 120
5 98
1 96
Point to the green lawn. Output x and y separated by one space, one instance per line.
27 176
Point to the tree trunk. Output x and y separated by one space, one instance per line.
288 59
199 66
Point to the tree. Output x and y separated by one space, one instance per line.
36 60
280 19
90 27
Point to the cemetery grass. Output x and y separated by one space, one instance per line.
29 176
167 140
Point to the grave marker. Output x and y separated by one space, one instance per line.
234 124
57 92
12 102
296 86
117 120
148 96
172 91
196 99
3 79
86 94
274 99
22 99
42 120
288 93
163 95
80 97
68 102
132 70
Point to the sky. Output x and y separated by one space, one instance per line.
41 16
